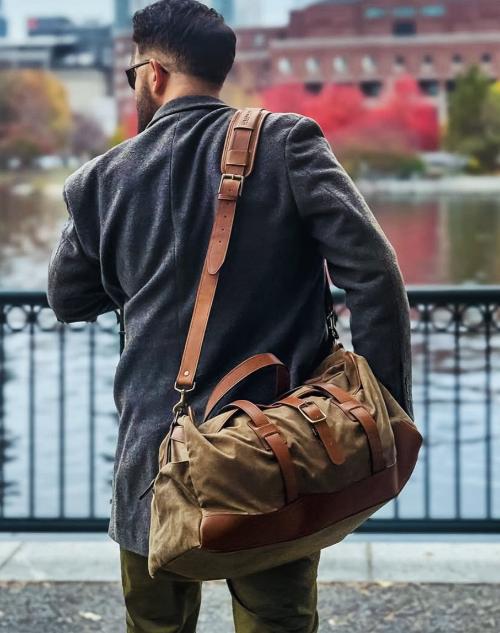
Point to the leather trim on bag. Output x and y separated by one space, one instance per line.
308 514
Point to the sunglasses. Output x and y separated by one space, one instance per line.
132 75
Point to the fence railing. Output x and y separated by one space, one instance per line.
58 420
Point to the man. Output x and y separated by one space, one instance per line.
140 217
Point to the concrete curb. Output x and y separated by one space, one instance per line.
69 558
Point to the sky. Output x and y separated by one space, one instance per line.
101 10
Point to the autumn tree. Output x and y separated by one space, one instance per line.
35 116
335 108
474 118
402 116
388 131
490 117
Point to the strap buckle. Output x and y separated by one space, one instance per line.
232 177
307 416
181 404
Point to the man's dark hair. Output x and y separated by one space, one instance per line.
194 36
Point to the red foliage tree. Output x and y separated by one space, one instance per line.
334 108
401 119
404 107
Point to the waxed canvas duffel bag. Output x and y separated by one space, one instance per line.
258 485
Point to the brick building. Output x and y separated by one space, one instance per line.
368 42
358 42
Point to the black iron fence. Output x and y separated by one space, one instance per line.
58 420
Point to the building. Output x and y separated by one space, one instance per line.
64 45
122 15
49 25
3 22
368 42
37 52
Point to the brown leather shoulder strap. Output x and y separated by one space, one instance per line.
236 164
237 153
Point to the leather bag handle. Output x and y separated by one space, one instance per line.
245 369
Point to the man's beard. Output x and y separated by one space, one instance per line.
146 108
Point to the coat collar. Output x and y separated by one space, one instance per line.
187 102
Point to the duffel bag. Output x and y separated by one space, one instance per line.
258 485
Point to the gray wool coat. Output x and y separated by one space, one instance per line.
139 222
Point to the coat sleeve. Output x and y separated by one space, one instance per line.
359 256
74 287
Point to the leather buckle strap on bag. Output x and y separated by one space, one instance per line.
240 179
236 164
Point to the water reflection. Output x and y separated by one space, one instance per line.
30 222
444 239
439 239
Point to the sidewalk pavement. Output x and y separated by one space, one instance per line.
376 583
359 558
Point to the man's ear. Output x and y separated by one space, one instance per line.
159 78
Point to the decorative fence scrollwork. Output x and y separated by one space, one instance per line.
58 419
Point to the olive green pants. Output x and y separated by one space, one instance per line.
279 600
